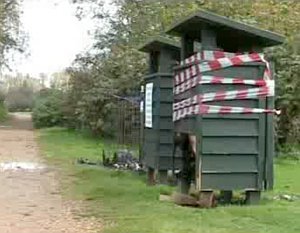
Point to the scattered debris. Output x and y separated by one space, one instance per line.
203 200
88 162
287 197
163 197
121 160
20 166
185 200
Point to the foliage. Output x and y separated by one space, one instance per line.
2 91
115 65
3 111
93 92
291 151
20 92
48 108
88 100
10 34
60 80
125 204
19 99
287 62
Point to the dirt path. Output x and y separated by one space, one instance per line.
30 201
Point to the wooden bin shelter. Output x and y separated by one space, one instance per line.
158 130
224 95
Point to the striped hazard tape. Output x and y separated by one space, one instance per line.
207 55
210 109
198 67
207 79
214 60
251 93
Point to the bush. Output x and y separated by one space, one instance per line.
291 151
48 109
3 112
20 99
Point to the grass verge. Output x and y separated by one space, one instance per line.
127 205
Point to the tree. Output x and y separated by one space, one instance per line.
47 111
60 80
10 34
19 92
116 64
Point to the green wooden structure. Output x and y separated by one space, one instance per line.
157 137
234 151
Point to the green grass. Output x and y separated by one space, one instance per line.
127 205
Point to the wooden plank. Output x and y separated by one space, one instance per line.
231 163
166 136
166 163
166 95
261 144
230 127
166 82
230 145
231 116
246 71
270 147
166 110
235 181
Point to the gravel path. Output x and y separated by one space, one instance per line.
30 200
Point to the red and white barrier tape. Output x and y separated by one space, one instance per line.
214 60
220 63
251 93
207 55
208 79
201 109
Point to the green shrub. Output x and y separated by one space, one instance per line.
48 110
291 151
20 99
3 112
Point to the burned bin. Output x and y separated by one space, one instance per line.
158 134
224 95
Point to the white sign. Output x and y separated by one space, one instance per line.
142 106
148 105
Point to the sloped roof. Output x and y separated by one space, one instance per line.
159 42
226 29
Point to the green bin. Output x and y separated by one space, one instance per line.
158 129
234 151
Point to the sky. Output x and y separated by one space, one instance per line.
55 36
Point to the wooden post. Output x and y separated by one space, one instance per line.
151 176
226 196
163 177
208 38
187 49
252 197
